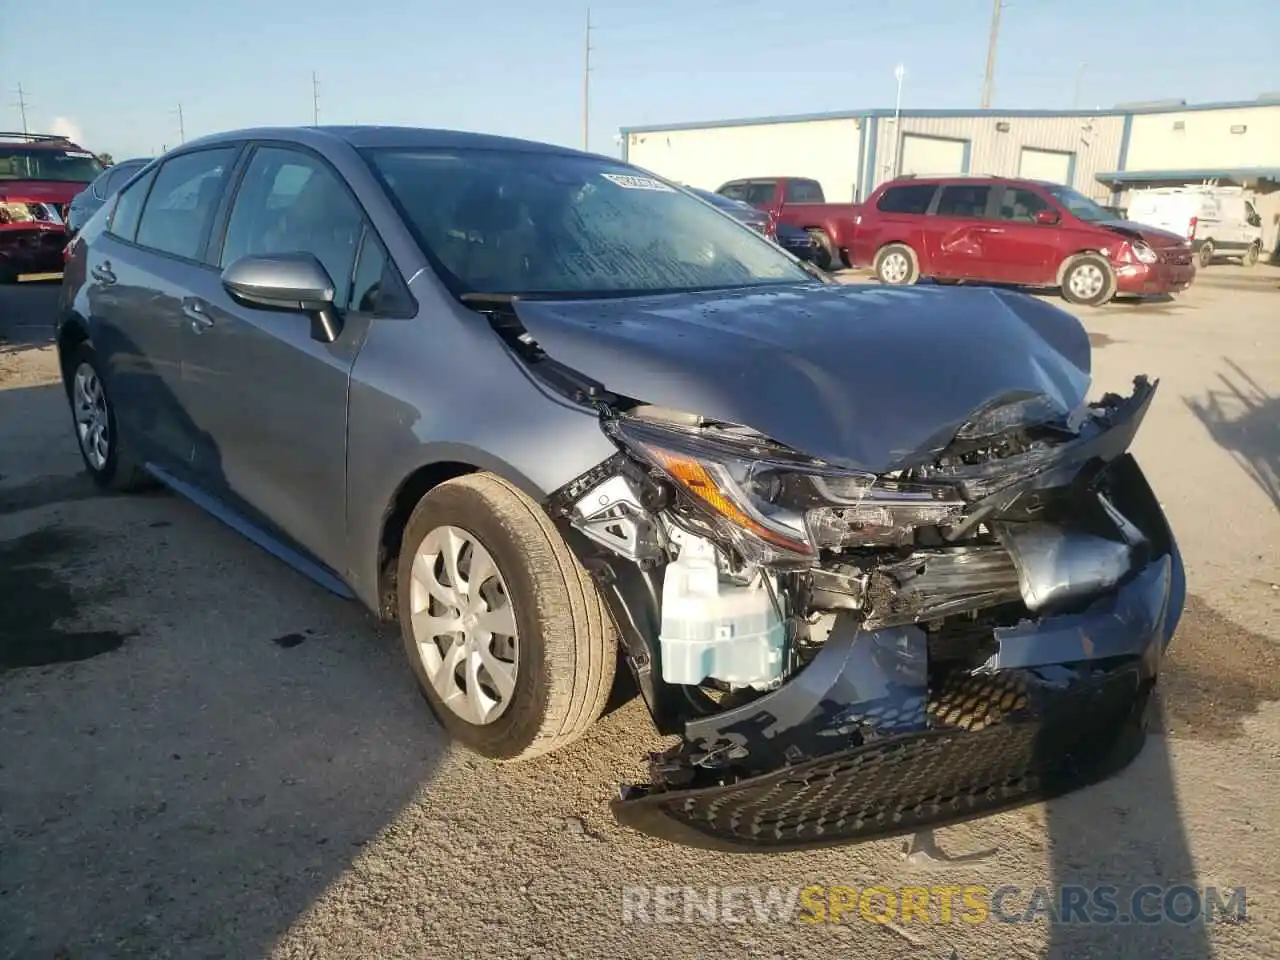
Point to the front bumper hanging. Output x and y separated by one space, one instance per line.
860 744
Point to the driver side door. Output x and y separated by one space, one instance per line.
272 401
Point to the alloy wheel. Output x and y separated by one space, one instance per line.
93 426
1086 281
463 625
895 268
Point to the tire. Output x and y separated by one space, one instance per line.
824 251
8 272
897 266
1250 258
105 455
1088 281
564 650
1204 256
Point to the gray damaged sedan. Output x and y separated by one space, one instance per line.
872 554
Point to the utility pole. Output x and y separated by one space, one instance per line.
586 84
1075 99
315 99
899 74
182 128
988 81
22 107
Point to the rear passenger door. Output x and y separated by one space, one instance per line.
141 272
957 233
270 400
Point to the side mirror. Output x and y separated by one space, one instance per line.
296 282
1047 217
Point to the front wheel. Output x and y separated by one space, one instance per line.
1088 281
505 632
1251 255
896 265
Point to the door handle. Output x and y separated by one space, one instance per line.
103 273
194 311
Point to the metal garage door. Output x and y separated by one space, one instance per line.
1052 165
926 155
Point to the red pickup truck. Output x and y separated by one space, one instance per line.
799 202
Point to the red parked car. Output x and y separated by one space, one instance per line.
39 174
799 202
1024 232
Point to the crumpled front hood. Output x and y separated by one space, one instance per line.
866 377
1154 236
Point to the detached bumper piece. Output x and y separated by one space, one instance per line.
897 784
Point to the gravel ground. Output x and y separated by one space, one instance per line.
229 762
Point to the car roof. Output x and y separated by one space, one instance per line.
371 137
950 178
38 141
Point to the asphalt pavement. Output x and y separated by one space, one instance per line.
203 754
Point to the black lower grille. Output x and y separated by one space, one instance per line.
992 746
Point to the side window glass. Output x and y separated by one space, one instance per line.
291 202
1021 205
760 194
366 288
734 191
124 219
914 199
378 288
804 191
183 201
963 200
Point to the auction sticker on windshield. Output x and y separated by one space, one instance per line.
630 182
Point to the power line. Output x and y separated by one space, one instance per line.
586 84
988 80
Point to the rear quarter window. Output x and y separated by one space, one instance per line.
914 198
804 191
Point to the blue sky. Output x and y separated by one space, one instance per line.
116 72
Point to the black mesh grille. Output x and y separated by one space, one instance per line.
991 748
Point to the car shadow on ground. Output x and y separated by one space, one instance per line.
197 742
1244 420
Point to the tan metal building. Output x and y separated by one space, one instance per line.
1102 153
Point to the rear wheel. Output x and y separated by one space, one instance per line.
102 449
1205 254
505 632
824 251
1251 255
8 272
1088 281
896 265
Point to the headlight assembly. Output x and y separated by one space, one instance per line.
779 508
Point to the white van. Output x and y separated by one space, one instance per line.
1219 221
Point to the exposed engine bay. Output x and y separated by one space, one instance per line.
810 626
756 550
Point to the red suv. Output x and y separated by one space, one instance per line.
1024 232
39 174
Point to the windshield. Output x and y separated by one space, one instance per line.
514 222
64 166
1080 205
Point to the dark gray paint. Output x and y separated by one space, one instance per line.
311 441
868 377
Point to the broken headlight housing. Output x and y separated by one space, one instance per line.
777 507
